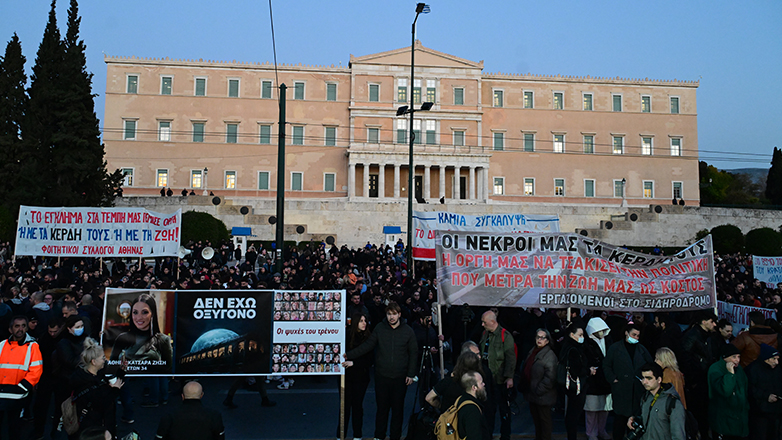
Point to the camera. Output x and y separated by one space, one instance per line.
637 432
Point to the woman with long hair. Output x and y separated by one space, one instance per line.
449 388
666 358
94 392
572 356
356 375
539 383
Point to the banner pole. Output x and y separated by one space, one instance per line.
440 332
568 314
101 265
178 262
342 407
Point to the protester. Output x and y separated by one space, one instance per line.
572 356
192 421
498 354
728 404
448 389
356 375
696 357
749 342
21 366
671 373
539 377
598 391
764 377
471 422
659 423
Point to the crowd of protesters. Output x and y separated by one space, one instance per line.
519 350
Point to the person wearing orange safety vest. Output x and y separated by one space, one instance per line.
21 366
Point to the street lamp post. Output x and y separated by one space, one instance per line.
624 196
419 8
206 192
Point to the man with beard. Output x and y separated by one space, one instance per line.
20 370
471 422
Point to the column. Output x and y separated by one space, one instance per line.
471 195
351 180
381 181
442 181
457 182
366 180
427 182
486 184
396 180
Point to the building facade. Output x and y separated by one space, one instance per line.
489 138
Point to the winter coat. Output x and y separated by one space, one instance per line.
659 425
749 342
502 353
596 385
572 355
543 378
728 404
763 381
698 354
396 350
621 373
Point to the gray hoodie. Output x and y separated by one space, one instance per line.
660 426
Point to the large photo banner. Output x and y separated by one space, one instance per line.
738 315
570 270
97 232
224 332
426 223
768 270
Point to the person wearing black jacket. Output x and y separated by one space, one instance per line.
598 390
94 392
471 423
572 356
67 356
697 356
192 421
356 375
395 354
765 394
45 389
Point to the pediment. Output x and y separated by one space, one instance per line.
424 57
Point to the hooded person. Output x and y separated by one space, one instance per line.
598 390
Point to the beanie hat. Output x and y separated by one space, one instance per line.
729 350
767 352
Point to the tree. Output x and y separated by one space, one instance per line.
774 180
13 103
200 226
764 242
727 239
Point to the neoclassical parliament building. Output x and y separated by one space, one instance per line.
490 139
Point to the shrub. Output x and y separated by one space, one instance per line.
202 226
764 242
727 239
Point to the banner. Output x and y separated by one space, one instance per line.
224 332
768 270
737 314
570 270
426 223
97 232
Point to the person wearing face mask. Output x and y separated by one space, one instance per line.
598 390
67 356
572 357
621 365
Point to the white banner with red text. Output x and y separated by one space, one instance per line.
738 314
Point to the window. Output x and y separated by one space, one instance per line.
200 86
296 181
646 146
230 180
588 102
331 92
374 92
331 136
166 84
373 135
298 135
589 144
676 147
559 100
677 190
458 138
233 88
198 131
231 133
458 95
529 100
417 131
401 131
132 86
266 134
196 177
648 189
559 143
266 89
127 176
417 91
499 141
529 142
431 132
164 131
431 90
619 188
499 185
130 129
619 145
675 105
298 90
329 181
162 178
589 187
401 90
529 186
617 101
263 180
559 187
498 98
646 104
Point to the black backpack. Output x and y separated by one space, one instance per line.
691 431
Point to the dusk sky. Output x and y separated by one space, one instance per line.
733 48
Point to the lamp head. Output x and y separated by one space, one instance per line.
401 110
427 106
422 8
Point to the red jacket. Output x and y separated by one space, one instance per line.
21 366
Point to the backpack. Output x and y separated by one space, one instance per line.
70 416
447 427
691 431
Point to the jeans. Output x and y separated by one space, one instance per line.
158 389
